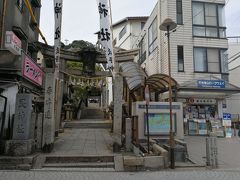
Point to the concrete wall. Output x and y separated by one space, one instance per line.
138 109
233 103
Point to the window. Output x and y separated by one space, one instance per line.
210 60
19 4
180 59
224 60
123 32
208 20
142 25
142 50
152 36
179 12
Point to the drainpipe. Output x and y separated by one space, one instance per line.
3 23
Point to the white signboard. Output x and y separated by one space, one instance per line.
57 32
13 43
105 34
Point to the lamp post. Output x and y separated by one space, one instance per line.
168 25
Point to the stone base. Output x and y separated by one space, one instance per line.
19 147
47 148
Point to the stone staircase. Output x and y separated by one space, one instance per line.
86 123
90 118
92 113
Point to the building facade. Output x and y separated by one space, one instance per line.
233 102
19 72
198 53
126 31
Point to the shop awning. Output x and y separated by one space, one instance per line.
160 82
133 73
136 77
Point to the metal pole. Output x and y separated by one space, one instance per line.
171 135
147 128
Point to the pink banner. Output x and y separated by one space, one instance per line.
32 72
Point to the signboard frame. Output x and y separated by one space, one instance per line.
159 132
13 43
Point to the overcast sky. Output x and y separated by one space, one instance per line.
81 19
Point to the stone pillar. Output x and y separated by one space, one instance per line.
117 116
49 119
103 97
39 130
22 142
128 134
59 97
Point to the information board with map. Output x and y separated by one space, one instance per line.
159 123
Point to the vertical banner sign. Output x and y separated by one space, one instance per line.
105 34
57 32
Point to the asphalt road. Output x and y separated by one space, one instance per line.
162 175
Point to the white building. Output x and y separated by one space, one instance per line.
127 30
198 55
233 103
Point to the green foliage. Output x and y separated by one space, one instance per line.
80 92
79 44
98 68
74 65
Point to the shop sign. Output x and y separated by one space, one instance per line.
13 43
32 72
201 101
227 120
211 83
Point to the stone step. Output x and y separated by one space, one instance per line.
8 166
92 114
78 159
12 166
89 161
80 165
96 124
13 163
15 160
74 169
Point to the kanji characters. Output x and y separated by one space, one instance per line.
58 8
102 10
57 33
104 34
